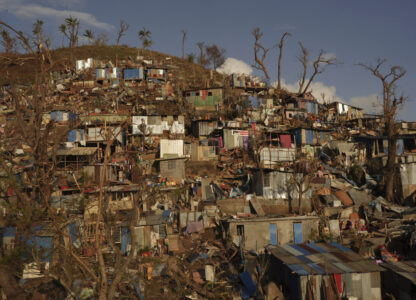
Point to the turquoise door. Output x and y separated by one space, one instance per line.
297 232
273 234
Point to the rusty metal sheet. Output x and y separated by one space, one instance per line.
307 248
291 250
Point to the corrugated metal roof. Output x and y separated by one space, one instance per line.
316 247
407 269
323 258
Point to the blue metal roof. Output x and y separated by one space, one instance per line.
317 268
332 258
304 259
316 247
340 247
299 248
298 269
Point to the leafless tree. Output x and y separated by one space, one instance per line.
201 59
391 104
259 59
122 31
101 39
318 65
279 63
184 33
7 42
301 179
215 55
29 204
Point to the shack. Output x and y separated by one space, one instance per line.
205 99
258 232
205 127
342 111
400 279
311 136
156 74
133 74
310 271
279 186
76 157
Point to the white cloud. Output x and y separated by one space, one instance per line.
233 65
34 11
63 3
318 89
370 103
329 55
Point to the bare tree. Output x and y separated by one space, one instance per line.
190 57
37 32
201 59
279 63
303 58
259 61
301 179
184 33
101 39
29 204
62 30
122 31
7 42
391 104
319 65
215 55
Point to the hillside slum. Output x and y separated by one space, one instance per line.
224 188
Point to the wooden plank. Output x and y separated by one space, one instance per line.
257 207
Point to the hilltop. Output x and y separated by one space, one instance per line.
192 74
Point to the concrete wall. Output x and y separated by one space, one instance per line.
257 233
233 206
173 169
202 153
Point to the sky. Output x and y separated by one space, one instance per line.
354 31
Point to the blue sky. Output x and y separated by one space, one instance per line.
354 31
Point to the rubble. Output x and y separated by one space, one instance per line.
200 184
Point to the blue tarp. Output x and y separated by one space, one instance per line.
125 239
73 231
57 115
253 101
298 137
72 135
72 117
166 214
133 74
8 232
312 107
43 246
400 147
249 286
309 136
